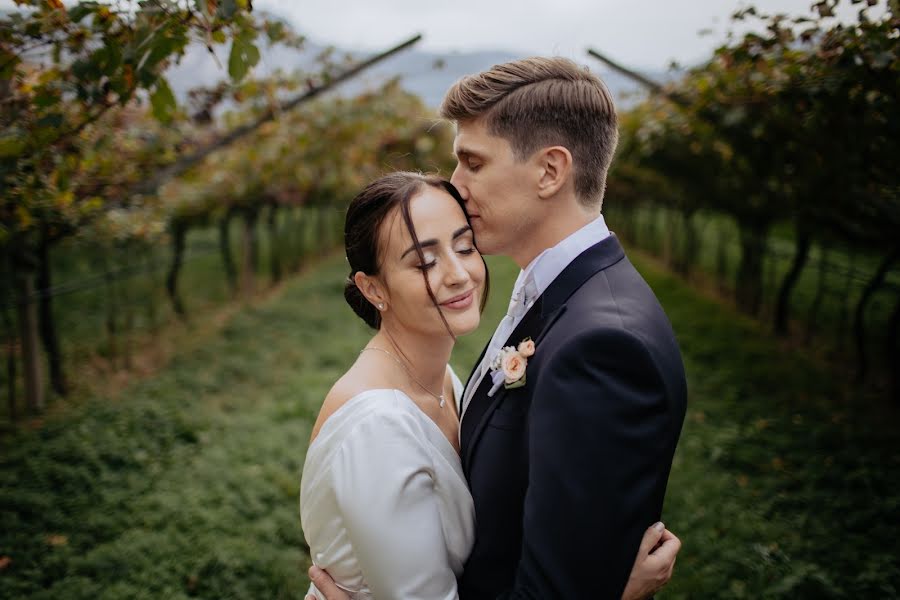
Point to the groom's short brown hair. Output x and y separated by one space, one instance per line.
538 102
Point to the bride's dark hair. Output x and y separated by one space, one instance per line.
365 215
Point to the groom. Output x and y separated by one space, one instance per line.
569 464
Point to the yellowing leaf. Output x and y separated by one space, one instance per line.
64 200
24 216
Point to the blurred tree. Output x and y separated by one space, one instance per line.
64 69
795 122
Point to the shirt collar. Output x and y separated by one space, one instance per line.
534 279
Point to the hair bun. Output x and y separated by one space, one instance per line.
360 305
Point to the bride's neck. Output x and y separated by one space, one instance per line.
425 355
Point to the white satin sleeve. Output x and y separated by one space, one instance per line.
384 481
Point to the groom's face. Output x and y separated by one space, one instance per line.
498 189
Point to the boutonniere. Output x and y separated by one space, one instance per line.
508 366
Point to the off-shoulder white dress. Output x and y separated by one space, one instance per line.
383 500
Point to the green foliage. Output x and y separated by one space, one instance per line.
65 70
797 124
83 159
243 56
163 101
320 153
798 121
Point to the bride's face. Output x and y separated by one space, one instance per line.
452 264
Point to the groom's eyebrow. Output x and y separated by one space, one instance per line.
462 152
429 243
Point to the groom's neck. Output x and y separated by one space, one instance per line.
550 231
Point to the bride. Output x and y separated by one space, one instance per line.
383 502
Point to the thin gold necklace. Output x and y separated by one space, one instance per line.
439 398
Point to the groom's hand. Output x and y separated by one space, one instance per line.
325 584
653 565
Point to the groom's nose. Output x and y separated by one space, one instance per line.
457 180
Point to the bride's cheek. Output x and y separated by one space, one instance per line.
478 272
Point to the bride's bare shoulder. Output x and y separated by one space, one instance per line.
350 385
343 390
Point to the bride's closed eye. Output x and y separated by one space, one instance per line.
433 262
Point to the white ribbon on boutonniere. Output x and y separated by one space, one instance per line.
509 364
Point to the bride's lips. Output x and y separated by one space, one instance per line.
461 301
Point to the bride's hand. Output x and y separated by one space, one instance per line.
325 584
653 565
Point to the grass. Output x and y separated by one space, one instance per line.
186 484
785 477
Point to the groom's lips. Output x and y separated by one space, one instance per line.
461 301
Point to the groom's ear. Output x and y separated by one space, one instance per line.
370 287
555 164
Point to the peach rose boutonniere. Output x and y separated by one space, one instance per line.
508 366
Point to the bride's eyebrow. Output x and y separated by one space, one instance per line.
428 243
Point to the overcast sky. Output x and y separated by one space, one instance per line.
641 33
645 33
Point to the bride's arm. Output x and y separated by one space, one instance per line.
384 483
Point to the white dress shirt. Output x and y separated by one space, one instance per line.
532 281
384 503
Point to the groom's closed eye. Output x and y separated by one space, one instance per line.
468 159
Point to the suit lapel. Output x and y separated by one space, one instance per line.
535 324
477 363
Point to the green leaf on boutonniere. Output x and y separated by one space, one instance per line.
515 384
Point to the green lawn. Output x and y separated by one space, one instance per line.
186 484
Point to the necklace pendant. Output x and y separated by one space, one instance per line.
442 401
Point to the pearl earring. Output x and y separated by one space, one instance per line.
381 306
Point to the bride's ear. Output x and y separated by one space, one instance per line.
372 288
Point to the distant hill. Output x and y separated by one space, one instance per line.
427 74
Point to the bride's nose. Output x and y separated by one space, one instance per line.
456 273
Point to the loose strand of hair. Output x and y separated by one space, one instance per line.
407 219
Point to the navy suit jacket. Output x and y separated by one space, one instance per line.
568 471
